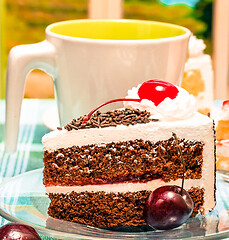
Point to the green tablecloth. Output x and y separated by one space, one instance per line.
29 154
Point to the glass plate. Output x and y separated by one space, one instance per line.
23 199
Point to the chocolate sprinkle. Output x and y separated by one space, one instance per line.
111 119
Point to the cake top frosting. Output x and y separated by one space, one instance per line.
196 47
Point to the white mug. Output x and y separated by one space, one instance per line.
93 61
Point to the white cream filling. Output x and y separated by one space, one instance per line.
122 187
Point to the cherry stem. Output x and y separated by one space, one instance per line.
86 118
180 152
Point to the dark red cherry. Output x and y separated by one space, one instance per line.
18 231
156 91
167 207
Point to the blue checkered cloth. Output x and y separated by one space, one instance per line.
30 151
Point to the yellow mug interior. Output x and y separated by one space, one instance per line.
117 29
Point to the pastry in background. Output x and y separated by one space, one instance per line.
198 75
222 155
222 129
222 136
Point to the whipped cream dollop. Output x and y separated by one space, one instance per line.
183 106
224 115
196 46
224 111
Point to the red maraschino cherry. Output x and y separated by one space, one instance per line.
169 206
18 231
157 90
225 105
153 90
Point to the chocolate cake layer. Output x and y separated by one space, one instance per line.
135 161
197 196
100 209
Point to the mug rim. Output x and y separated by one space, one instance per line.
49 33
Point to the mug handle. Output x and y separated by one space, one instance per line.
23 59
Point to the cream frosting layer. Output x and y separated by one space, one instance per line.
196 47
199 127
209 202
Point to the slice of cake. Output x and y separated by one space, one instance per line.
198 75
99 170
